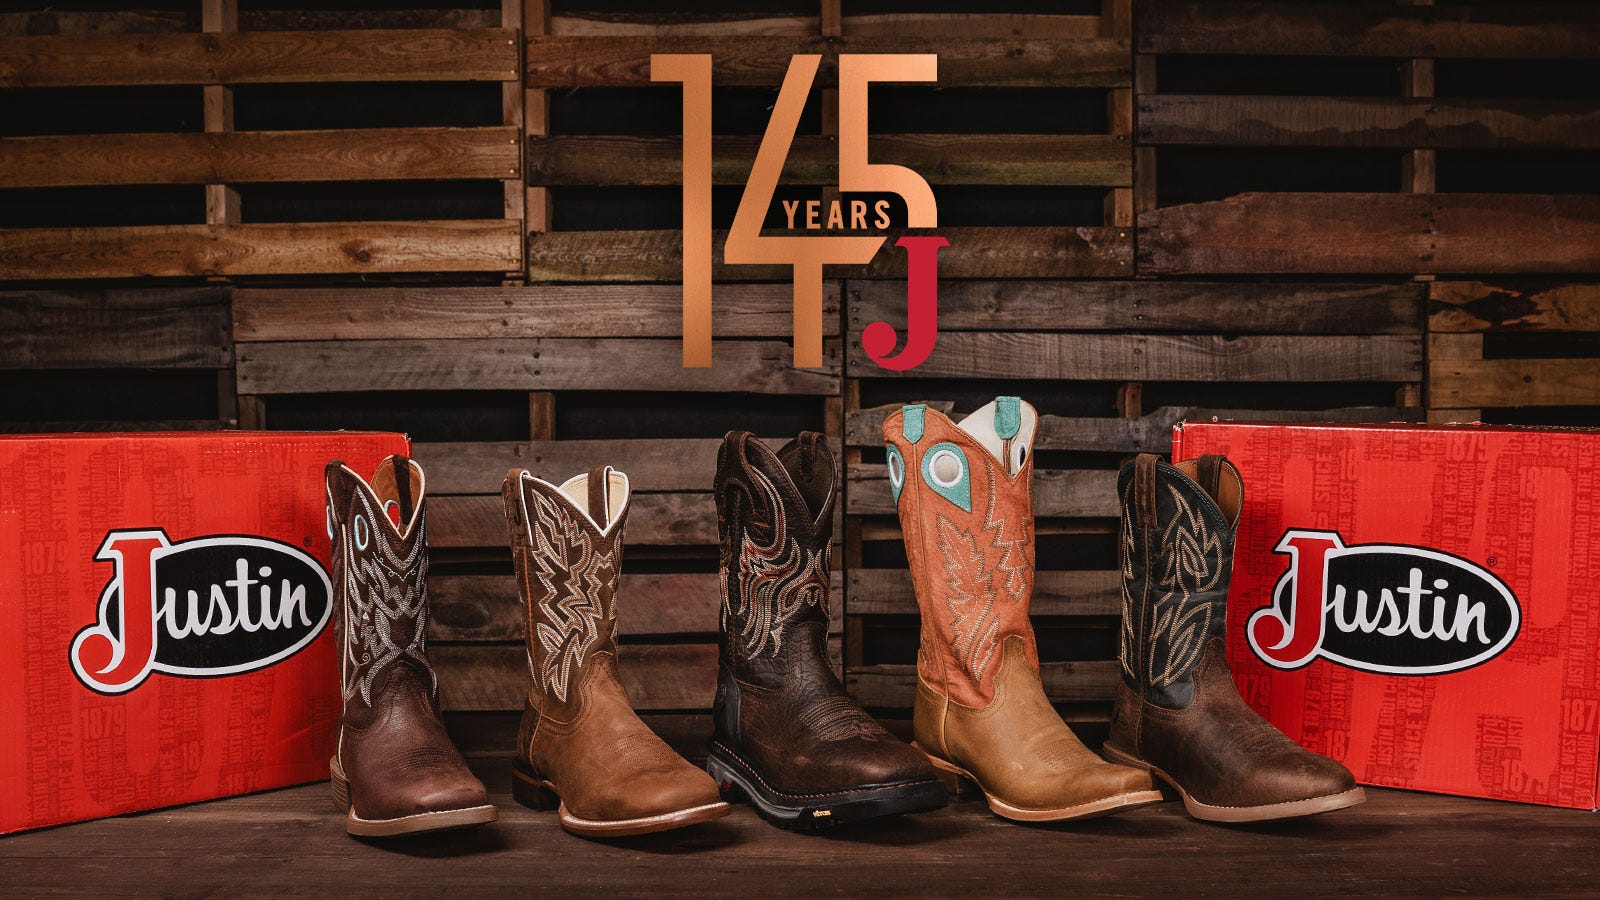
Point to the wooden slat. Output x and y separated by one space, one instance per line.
362 154
137 21
548 310
1056 493
657 255
876 592
654 520
656 676
1373 234
1150 433
665 464
533 364
666 23
966 26
487 607
616 60
251 57
1290 308
1015 159
895 686
1472 306
1366 121
1109 357
130 328
1372 29
1457 383
260 249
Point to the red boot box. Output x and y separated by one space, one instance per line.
169 623
1421 603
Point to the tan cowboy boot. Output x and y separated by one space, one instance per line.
965 498
395 771
581 747
1178 712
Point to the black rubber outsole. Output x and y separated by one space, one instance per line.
813 813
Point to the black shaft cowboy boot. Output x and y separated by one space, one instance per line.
786 735
1178 713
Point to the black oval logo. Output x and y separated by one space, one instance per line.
201 608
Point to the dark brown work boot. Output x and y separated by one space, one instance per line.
581 748
1178 713
786 735
395 771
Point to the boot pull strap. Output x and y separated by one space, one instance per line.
1144 489
402 488
600 495
1208 472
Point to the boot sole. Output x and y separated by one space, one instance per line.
957 780
1265 813
441 820
538 794
812 813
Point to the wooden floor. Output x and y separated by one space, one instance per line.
292 842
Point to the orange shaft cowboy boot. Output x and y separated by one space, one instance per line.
965 498
581 748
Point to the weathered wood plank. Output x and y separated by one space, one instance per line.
880 592
1373 234
467 245
1233 120
1472 306
137 21
657 255
1476 383
128 328
1134 357
686 464
656 676
876 25
1234 308
532 364
615 60
668 23
546 310
363 154
1350 29
1073 159
1086 493
895 686
250 57
1150 433
654 520
487 607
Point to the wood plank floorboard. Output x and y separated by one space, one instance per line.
292 843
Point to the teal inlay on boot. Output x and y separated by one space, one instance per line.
1007 417
912 420
945 469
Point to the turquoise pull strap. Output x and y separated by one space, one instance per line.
1007 417
912 423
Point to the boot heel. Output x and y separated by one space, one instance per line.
528 791
341 787
959 784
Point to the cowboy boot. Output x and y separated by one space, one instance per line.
1178 713
581 748
964 493
785 733
395 770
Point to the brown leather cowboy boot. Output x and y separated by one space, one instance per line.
786 735
581 748
395 771
1178 713
965 498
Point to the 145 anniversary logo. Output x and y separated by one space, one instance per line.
807 254
1389 608
200 608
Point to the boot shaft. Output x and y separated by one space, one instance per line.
380 574
774 524
965 498
1176 551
